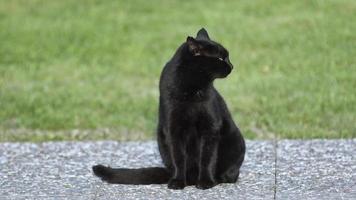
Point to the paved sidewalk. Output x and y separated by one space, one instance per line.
287 169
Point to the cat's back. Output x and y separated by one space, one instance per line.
170 69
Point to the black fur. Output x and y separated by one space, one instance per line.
198 141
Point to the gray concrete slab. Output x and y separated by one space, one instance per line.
51 170
256 179
316 169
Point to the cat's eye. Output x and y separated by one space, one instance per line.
221 59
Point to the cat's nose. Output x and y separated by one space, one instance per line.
228 62
232 67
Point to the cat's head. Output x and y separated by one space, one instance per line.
208 56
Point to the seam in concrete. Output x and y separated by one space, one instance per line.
275 147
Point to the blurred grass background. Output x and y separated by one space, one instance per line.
93 65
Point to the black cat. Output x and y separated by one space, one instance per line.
198 141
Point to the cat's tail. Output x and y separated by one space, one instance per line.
141 176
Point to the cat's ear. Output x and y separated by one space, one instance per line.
193 46
202 34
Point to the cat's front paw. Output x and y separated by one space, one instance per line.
206 184
176 184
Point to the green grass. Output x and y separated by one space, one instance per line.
91 64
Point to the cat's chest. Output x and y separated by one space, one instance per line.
191 113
